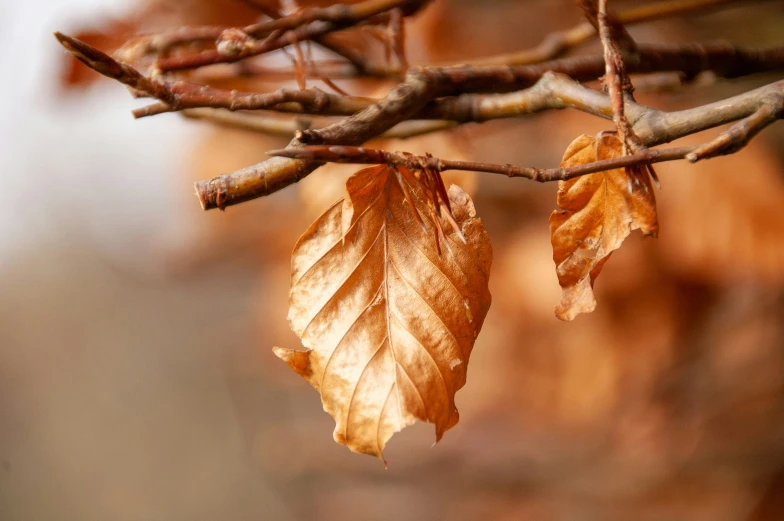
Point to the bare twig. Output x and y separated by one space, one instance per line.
608 27
558 91
309 101
334 69
368 156
288 127
616 80
738 135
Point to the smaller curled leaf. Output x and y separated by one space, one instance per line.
597 212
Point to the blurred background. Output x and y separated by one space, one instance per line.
137 380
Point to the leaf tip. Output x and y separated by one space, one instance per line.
575 300
461 204
299 361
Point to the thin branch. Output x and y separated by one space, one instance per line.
608 27
369 156
616 80
332 68
288 127
738 135
657 127
304 101
558 91
554 91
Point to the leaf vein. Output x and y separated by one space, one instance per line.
356 386
429 354
423 254
350 327
342 284
339 241
428 304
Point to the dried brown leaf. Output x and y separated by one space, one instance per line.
388 321
598 211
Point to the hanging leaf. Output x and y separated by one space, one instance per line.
389 300
598 211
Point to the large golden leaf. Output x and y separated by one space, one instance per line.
598 211
388 310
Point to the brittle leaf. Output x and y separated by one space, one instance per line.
598 211
389 322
